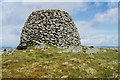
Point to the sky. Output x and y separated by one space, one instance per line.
97 22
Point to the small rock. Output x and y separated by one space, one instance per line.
64 76
49 53
16 60
21 53
9 53
9 60
104 51
48 47
31 50
73 59
93 50
44 49
59 52
65 63
37 47
24 51
77 49
91 57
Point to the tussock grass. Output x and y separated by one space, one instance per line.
50 64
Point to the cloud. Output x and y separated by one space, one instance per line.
113 4
108 17
0 13
11 36
98 4
20 11
90 35
101 39
15 15
67 6
0 24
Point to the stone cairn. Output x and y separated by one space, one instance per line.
53 27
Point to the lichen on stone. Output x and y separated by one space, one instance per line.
52 26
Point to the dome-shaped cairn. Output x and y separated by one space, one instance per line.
53 27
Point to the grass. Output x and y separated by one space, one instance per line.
40 64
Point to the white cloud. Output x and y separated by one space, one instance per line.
0 24
112 4
97 4
69 7
108 17
100 40
111 16
90 35
10 37
26 9
15 14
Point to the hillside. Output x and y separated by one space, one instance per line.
51 62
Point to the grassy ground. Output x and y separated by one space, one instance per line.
50 64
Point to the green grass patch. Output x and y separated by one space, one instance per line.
50 64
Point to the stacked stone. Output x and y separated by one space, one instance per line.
53 27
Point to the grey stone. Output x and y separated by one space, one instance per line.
92 50
53 27
72 49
